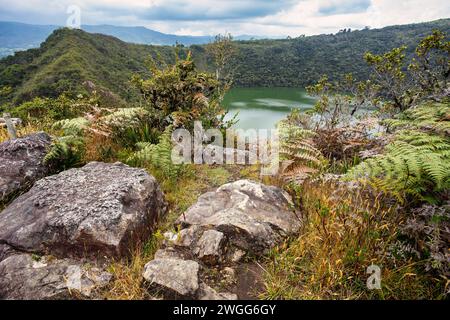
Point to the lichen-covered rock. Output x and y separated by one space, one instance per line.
253 216
210 247
5 251
21 163
98 210
174 278
23 278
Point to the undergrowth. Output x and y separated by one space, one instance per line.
343 234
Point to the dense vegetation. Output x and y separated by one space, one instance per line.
372 190
70 57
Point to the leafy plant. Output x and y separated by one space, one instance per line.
301 158
75 126
158 156
416 163
433 117
65 152
179 94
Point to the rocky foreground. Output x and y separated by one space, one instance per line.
57 238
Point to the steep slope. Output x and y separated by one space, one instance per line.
70 57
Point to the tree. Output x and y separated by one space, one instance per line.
403 85
430 68
222 50
179 94
390 78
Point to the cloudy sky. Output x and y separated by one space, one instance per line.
254 17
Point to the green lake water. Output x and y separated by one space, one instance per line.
262 108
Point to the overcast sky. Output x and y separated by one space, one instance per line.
253 17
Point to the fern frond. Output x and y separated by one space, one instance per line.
72 127
416 163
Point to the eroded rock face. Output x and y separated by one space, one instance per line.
210 247
23 277
255 217
173 277
21 163
97 210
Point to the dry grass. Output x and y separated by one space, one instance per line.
180 195
21 131
127 281
343 234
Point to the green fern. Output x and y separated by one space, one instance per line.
300 157
431 117
416 163
65 152
72 127
124 118
158 156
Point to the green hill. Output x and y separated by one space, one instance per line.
301 61
70 57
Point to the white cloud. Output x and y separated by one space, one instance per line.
256 17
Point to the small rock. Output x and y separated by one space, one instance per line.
170 237
208 293
237 255
210 247
175 278
229 275
86 281
168 252
187 237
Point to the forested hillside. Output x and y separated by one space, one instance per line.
70 57
301 61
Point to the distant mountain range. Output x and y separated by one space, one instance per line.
15 36
68 58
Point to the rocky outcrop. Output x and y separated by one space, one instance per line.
100 209
217 232
75 220
21 163
254 217
24 277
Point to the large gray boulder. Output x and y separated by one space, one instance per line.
23 277
95 211
253 216
21 163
